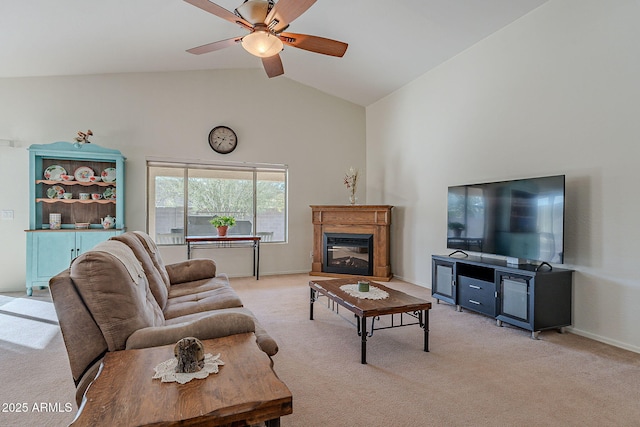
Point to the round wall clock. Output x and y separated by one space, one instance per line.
223 139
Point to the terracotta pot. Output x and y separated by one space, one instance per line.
222 230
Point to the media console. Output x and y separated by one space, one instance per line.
525 296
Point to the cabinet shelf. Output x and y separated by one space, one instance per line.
101 201
85 184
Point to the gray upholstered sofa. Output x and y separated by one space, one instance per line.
120 295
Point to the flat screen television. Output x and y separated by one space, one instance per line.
521 219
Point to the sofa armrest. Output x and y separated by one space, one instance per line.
214 325
191 270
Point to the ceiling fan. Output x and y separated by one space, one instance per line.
266 21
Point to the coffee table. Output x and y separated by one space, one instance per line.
245 391
397 303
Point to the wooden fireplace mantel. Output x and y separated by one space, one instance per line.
358 219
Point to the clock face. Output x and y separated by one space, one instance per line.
223 140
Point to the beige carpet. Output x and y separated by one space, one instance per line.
475 374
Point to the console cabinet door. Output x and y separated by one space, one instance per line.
443 283
515 300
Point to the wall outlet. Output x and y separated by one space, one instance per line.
311 254
6 215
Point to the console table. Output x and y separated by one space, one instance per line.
253 240
245 391
525 296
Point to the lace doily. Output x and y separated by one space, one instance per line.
166 371
374 293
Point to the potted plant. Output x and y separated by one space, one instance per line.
222 223
457 228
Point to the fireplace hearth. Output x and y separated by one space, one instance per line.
347 253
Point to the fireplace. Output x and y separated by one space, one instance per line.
346 253
371 221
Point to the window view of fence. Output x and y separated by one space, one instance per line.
182 199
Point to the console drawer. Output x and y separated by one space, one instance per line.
477 295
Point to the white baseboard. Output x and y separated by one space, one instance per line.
413 282
271 273
602 339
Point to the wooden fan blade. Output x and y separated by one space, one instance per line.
273 66
219 11
285 11
315 44
212 47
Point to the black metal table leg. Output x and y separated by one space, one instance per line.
256 259
311 301
363 340
272 423
426 330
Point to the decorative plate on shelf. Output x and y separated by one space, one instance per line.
83 173
109 175
109 193
53 172
55 192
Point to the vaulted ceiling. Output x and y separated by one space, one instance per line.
390 42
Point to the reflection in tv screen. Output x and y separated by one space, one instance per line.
520 219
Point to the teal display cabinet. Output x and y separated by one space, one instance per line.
61 174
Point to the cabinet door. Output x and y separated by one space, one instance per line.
51 253
86 240
514 296
443 285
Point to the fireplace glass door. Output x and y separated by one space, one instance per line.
348 253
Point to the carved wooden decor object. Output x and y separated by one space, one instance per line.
190 354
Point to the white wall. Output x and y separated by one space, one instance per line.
170 115
556 92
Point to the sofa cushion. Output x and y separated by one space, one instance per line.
198 286
154 253
193 269
198 302
156 282
263 339
113 285
204 326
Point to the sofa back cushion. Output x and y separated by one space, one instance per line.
156 282
154 253
112 283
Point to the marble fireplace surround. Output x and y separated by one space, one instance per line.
353 219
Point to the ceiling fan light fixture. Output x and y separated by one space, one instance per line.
254 11
262 44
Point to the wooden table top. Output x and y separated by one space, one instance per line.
397 302
245 388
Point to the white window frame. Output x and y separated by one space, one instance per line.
255 168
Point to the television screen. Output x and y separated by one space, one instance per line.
521 219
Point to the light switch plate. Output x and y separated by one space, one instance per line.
6 215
